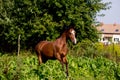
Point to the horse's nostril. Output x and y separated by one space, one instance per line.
74 43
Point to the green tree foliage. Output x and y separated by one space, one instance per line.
37 20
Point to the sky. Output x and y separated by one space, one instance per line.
112 15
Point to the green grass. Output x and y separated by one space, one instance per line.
25 67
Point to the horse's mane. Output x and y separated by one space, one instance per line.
66 28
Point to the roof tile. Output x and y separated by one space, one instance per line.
109 28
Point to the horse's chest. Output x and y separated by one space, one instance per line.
62 50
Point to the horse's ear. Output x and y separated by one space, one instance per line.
65 27
72 25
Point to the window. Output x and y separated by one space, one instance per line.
103 39
102 30
116 30
116 39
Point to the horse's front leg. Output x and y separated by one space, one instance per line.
66 63
58 56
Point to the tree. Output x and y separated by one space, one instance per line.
37 20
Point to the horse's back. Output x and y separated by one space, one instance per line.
39 46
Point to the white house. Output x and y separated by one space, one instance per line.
109 33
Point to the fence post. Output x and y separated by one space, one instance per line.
18 45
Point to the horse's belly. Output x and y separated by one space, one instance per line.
48 51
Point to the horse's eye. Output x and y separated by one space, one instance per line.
70 33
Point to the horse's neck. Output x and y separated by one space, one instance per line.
62 39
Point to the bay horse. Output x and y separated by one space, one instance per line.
56 49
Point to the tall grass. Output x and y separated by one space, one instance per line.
87 61
25 67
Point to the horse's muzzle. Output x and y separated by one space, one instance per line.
75 41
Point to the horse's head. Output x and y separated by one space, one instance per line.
71 34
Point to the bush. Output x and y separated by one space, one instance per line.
90 49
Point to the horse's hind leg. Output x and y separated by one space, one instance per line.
39 57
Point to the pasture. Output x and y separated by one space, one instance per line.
25 67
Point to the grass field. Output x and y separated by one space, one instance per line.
25 67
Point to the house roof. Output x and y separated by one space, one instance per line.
109 28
